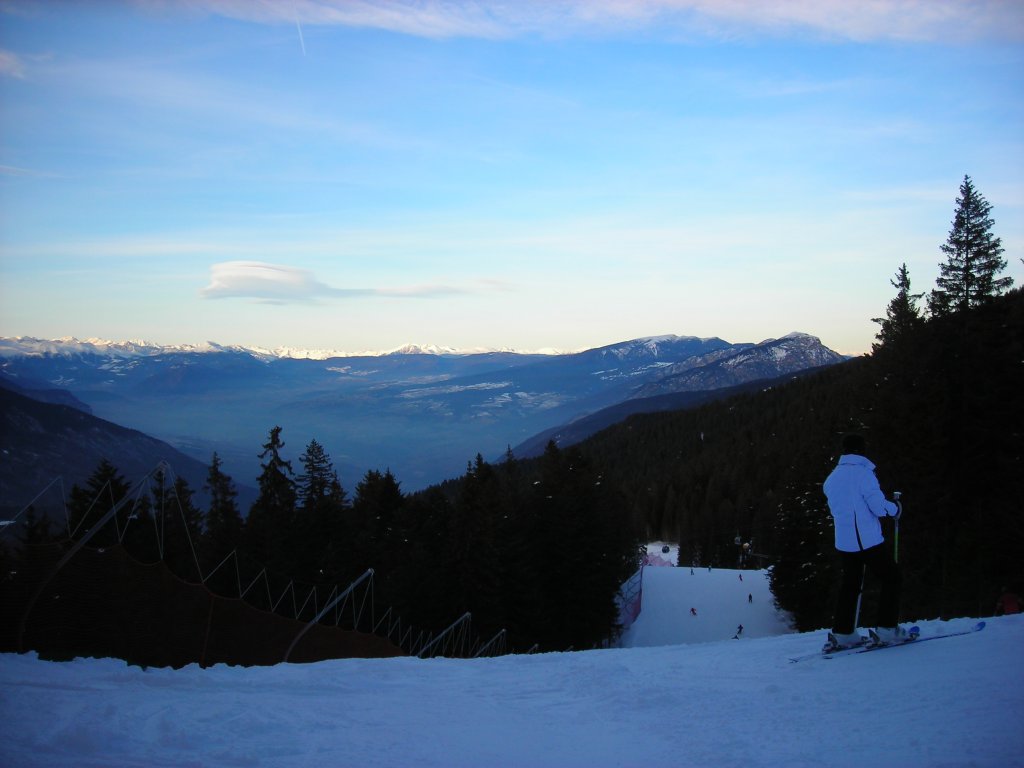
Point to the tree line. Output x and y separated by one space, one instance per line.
539 554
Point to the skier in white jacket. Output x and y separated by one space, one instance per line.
857 504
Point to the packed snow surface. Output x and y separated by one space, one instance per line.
700 701
684 605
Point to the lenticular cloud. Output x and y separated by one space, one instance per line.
268 282
278 284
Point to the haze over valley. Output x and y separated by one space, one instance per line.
422 414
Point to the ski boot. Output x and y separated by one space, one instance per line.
841 642
889 635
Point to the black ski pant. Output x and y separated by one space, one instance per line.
879 564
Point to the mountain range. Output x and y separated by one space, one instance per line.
423 413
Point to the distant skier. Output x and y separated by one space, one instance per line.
739 630
693 611
857 503
750 598
741 577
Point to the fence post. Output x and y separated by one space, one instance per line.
209 623
325 609
464 617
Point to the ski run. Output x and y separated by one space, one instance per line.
682 692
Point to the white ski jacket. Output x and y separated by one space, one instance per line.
856 502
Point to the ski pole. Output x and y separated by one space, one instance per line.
896 534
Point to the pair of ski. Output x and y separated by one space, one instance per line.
913 638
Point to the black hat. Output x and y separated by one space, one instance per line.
854 443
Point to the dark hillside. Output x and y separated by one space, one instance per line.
942 412
569 434
40 441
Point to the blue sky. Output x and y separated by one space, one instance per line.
359 175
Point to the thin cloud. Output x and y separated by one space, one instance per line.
907 20
267 282
10 170
422 19
910 20
11 65
210 98
279 284
420 291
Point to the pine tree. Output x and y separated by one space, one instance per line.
472 551
182 531
141 524
968 278
803 574
376 511
223 531
318 523
377 501
268 532
315 481
223 520
103 490
902 314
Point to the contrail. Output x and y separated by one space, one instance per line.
301 41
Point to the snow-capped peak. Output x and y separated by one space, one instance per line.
70 345
423 349
792 336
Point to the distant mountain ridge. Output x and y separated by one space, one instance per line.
42 392
792 353
423 414
69 345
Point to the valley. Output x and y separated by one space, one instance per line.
423 415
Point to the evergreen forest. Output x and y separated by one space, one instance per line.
539 547
942 413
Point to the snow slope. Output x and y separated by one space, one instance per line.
723 599
954 702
